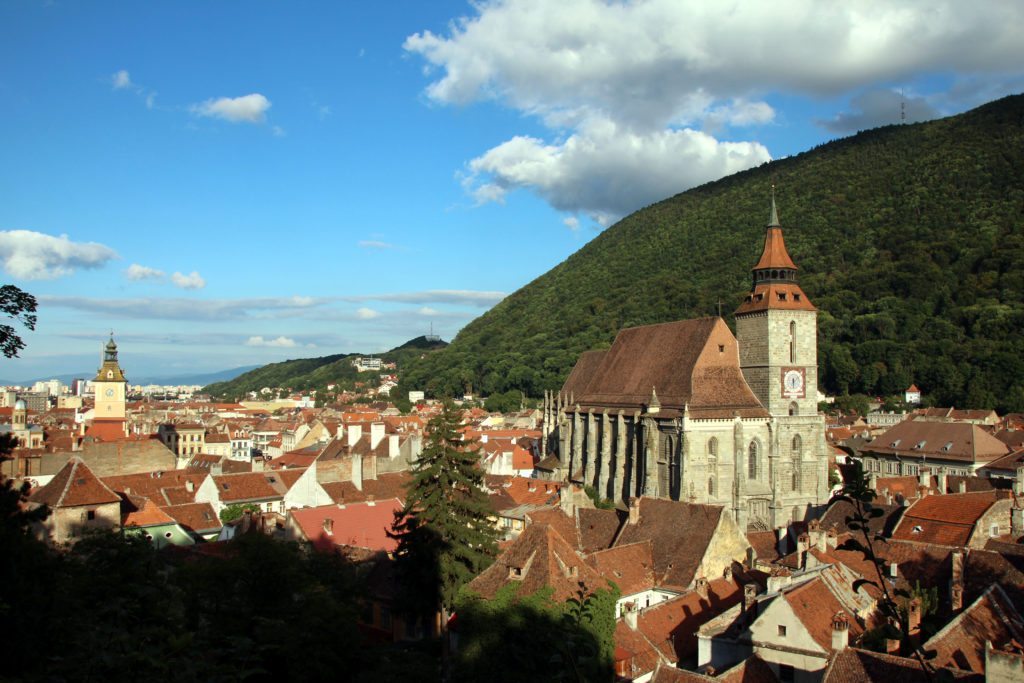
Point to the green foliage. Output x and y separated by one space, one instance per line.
307 374
855 404
909 240
508 402
599 502
444 533
533 638
232 512
113 608
21 306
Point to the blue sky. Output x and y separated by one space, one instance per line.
225 184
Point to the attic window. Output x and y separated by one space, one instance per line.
895 444
917 529
515 573
782 631
80 482
919 445
796 297
90 515
206 516
947 447
760 297
782 296
721 348
271 480
225 486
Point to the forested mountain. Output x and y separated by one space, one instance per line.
304 374
909 239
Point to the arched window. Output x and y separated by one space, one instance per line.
712 448
792 341
798 446
752 461
711 486
794 409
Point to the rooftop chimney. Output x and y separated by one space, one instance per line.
190 486
943 481
353 432
630 612
376 434
750 599
962 486
701 586
357 471
634 510
914 616
840 631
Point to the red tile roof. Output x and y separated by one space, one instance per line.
72 486
630 567
944 520
961 643
363 525
196 517
815 606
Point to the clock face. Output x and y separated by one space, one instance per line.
110 393
793 382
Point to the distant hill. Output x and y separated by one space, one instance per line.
170 380
909 239
305 374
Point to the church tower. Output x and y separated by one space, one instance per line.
111 388
777 331
777 328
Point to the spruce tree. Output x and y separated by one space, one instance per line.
444 533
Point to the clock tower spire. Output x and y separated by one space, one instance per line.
110 384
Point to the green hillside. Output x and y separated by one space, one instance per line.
910 240
306 374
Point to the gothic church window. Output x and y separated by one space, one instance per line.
712 448
711 486
794 409
752 461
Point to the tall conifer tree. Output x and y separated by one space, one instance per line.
444 535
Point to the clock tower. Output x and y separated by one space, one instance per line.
110 385
777 331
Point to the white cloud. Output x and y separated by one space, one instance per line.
280 342
879 108
191 281
366 313
187 309
653 72
36 256
136 272
434 296
121 80
427 310
375 244
246 109
605 171
572 223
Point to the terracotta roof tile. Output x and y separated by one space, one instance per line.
944 520
196 517
630 567
680 533
961 643
815 605
853 665
362 525
74 485
539 558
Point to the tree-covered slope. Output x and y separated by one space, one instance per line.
909 239
305 374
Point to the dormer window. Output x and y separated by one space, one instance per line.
947 447
796 297
782 296
895 444
515 573
919 445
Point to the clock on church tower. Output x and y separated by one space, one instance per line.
110 385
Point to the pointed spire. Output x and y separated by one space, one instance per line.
773 219
654 405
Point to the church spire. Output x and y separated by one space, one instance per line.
774 281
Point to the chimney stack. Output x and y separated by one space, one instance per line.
353 431
630 613
634 510
840 631
943 480
357 471
962 486
750 599
914 616
328 526
376 434
701 586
